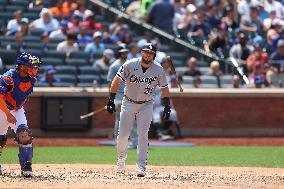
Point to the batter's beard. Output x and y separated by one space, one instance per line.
146 62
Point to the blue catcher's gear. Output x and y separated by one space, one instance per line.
32 62
23 136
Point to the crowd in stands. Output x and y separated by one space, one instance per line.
73 33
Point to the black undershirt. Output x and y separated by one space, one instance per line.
144 69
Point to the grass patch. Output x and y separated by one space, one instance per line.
179 156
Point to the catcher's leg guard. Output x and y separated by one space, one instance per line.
24 138
3 140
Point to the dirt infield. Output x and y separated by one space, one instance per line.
104 176
202 141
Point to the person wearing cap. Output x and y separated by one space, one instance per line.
279 53
14 25
244 6
61 32
114 67
96 47
68 46
83 37
24 26
91 24
46 22
49 77
251 23
73 24
105 61
134 51
82 11
268 22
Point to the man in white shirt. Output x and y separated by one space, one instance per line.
274 5
69 45
14 25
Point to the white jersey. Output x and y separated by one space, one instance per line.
141 86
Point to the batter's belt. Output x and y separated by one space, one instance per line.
136 102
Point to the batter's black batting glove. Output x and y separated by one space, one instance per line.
110 104
167 108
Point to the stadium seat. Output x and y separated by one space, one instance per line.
32 39
76 62
31 16
3 2
177 56
89 70
204 85
226 79
206 79
85 84
80 55
52 46
13 8
55 40
181 70
2 70
187 79
33 45
8 56
67 78
103 79
20 3
64 84
52 61
9 39
178 63
87 78
111 46
34 52
204 70
36 32
164 48
66 69
7 15
55 54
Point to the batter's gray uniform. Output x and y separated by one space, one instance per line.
113 69
138 104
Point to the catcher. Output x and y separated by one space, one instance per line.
15 87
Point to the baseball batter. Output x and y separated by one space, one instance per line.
15 87
141 77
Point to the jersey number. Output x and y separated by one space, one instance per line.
148 90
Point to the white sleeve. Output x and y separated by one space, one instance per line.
163 80
123 72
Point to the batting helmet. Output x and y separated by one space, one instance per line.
122 48
149 47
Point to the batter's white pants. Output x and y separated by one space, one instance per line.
143 114
4 124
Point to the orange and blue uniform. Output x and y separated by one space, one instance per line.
15 89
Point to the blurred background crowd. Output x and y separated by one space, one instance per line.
77 42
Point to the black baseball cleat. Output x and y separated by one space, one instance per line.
27 170
1 170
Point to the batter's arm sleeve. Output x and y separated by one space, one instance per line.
123 72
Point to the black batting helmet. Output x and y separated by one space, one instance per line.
149 47
122 48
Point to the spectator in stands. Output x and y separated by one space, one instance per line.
97 47
24 26
46 22
211 16
44 41
236 80
20 44
106 37
244 6
262 13
127 38
218 42
162 19
82 11
268 22
229 20
145 5
134 51
193 71
277 61
105 61
73 24
240 51
69 45
61 32
63 8
199 30
277 34
258 56
215 69
147 38
83 37
91 24
49 77
258 76
118 29
252 23
14 24
186 20
275 5
134 9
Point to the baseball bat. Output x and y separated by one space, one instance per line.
173 70
239 69
93 113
